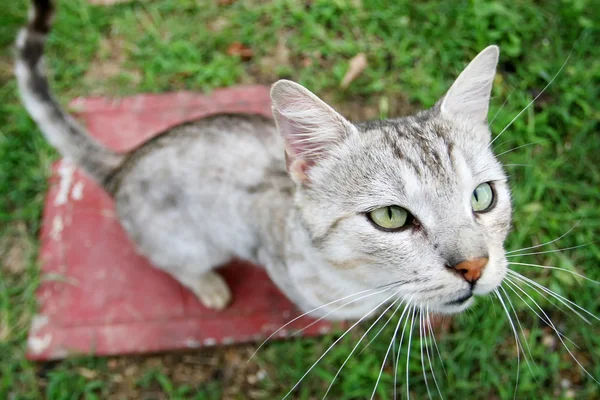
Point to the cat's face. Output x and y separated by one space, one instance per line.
427 168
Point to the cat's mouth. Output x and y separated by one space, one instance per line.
461 300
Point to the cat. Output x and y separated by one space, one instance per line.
415 209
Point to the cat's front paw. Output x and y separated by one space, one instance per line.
212 291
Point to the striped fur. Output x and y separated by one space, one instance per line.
61 130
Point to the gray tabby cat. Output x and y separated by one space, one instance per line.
414 208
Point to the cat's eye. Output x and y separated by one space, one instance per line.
391 217
482 198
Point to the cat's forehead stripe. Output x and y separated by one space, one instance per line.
420 147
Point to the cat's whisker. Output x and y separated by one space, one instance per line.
519 147
365 335
518 165
550 298
336 342
555 268
421 335
547 243
435 344
558 335
518 343
534 99
376 335
429 357
550 251
542 318
501 107
316 309
528 352
412 324
388 349
399 351
557 296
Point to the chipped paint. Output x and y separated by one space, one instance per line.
228 340
38 322
65 172
192 343
57 228
77 192
38 345
324 330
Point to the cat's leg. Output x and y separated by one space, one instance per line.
209 287
190 262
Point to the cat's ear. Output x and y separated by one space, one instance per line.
307 124
469 95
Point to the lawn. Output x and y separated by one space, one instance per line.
414 50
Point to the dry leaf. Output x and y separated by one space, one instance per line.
358 63
279 57
238 49
87 373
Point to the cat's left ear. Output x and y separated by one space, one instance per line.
469 95
309 127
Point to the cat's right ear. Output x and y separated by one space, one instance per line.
308 126
469 96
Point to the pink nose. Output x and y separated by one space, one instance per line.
471 269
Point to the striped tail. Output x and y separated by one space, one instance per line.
59 128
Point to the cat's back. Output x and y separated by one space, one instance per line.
200 176
229 149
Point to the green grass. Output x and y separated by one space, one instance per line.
414 50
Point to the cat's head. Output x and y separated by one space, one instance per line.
419 200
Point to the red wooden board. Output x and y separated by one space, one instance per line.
98 296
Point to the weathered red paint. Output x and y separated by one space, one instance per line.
97 294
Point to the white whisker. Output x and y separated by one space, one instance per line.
427 351
547 243
551 251
555 268
316 309
334 343
362 338
436 345
557 296
559 335
534 99
430 356
412 324
518 147
421 347
550 298
501 107
399 351
516 340
525 354
548 323
517 165
388 349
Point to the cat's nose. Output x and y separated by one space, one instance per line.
471 269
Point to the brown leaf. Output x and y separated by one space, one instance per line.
358 63
15 249
240 50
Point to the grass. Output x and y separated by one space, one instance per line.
414 50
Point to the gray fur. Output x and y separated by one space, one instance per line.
205 192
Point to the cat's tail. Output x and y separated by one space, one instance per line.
59 128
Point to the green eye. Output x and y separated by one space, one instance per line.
482 198
390 217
